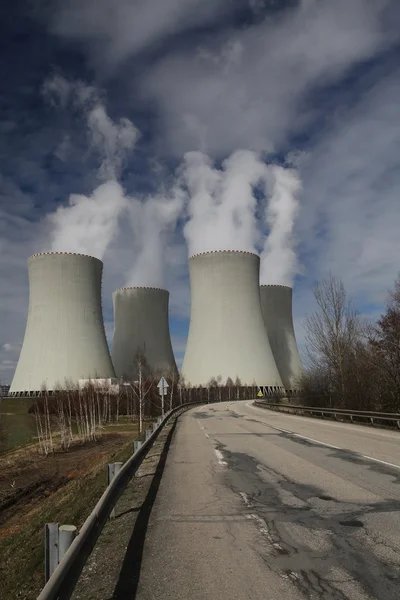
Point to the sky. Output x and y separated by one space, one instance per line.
143 131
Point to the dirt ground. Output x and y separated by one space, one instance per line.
34 490
26 477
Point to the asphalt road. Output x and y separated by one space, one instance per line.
254 504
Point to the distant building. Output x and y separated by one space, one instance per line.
110 384
4 389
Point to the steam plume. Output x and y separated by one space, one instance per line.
278 259
153 221
224 210
88 224
222 205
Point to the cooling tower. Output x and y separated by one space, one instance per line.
64 336
276 305
226 334
141 324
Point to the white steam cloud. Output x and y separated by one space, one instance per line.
225 212
222 205
88 224
278 258
112 140
153 220
226 208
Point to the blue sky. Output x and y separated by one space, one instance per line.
313 84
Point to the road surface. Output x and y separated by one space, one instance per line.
259 505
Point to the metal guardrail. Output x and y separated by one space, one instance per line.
372 416
61 584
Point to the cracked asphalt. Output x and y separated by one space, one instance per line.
247 509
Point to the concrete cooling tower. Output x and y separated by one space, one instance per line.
276 305
226 334
64 336
141 324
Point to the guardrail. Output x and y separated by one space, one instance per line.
61 584
372 416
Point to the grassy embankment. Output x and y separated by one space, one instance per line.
21 539
68 498
17 426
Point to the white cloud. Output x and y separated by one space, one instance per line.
350 205
111 34
246 89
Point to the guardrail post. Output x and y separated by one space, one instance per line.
372 420
66 535
155 425
136 445
116 467
50 549
110 472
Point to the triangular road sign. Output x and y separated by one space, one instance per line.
163 383
260 394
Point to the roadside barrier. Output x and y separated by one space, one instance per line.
371 416
63 571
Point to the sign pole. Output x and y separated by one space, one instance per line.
162 388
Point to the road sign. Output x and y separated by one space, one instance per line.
162 388
162 384
260 394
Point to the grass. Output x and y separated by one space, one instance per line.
17 426
22 551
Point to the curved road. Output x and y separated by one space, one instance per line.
259 505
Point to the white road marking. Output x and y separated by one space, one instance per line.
303 437
383 462
201 427
220 457
348 426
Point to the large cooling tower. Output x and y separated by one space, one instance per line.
276 304
64 336
226 335
141 324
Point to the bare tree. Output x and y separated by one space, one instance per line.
238 385
332 333
384 341
229 384
143 385
172 378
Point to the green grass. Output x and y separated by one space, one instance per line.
22 553
17 426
